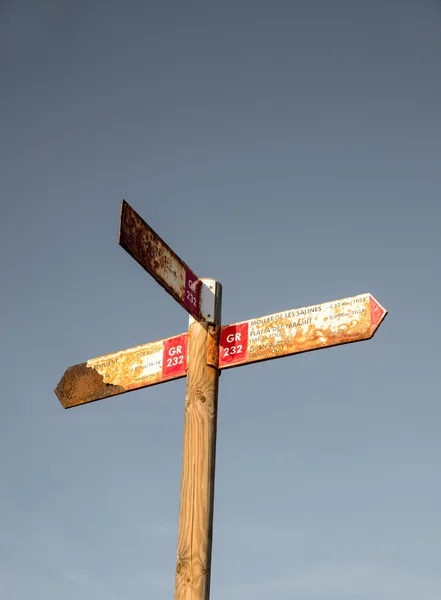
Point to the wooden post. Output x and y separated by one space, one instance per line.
195 531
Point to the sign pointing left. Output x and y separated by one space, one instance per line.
158 259
124 371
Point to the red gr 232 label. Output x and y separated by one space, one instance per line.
233 344
192 292
174 358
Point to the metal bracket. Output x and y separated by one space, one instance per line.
210 301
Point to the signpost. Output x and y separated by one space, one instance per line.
200 355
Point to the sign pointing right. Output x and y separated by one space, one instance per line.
299 330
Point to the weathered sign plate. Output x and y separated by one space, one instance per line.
299 330
124 371
281 334
158 259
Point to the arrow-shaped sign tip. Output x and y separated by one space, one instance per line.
81 384
377 314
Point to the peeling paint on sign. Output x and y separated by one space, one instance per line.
158 259
124 371
281 334
299 330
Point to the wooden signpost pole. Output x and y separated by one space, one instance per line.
193 564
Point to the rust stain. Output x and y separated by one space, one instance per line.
281 338
308 329
153 254
213 338
122 371
81 384
132 368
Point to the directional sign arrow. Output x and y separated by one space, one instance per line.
124 371
299 330
158 259
281 334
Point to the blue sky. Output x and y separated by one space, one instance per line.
291 151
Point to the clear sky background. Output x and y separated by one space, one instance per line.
291 150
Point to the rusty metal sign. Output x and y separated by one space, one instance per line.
281 334
124 371
158 259
299 330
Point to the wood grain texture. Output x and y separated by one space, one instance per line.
195 530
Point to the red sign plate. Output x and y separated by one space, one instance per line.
233 344
174 358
